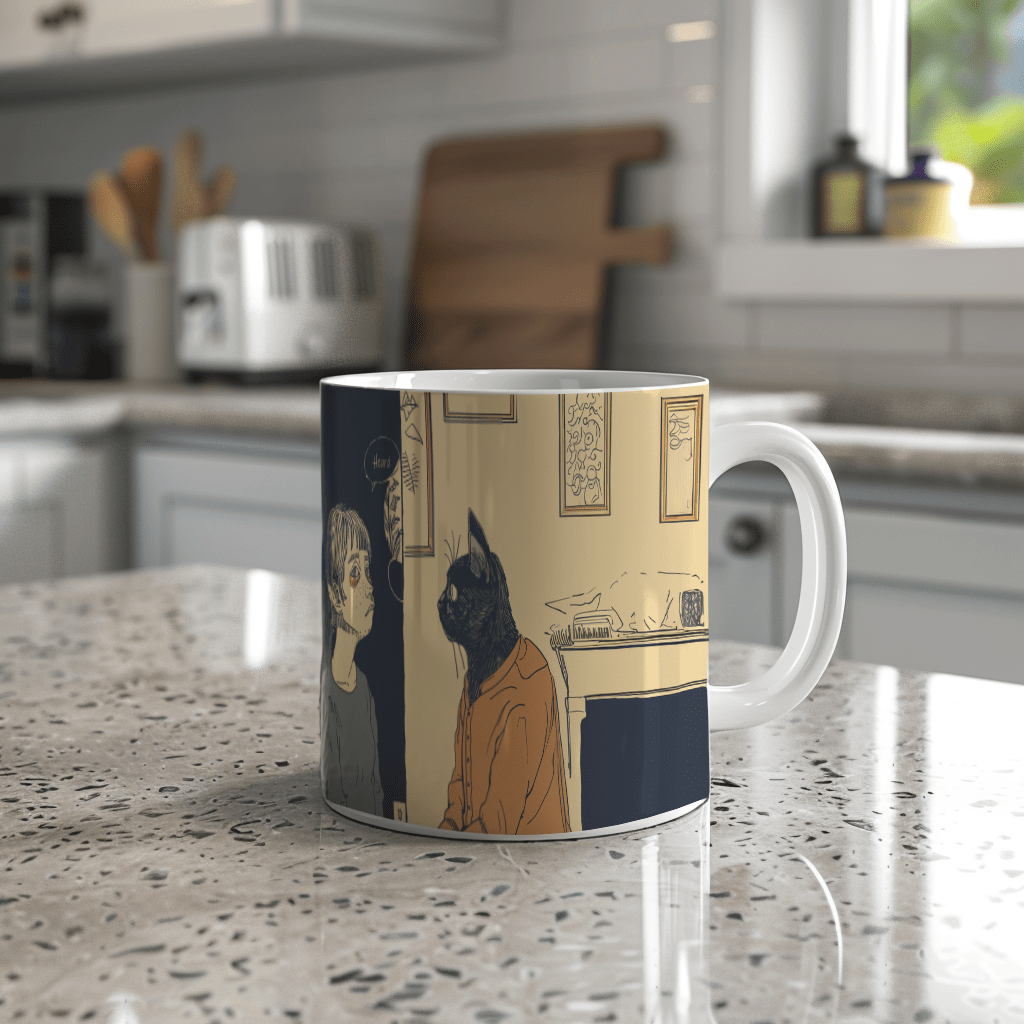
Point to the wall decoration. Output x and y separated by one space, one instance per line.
479 408
417 475
681 420
584 454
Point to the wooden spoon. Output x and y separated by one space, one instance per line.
218 193
194 200
111 209
140 176
187 204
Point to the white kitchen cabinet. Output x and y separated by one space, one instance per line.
745 559
53 47
24 40
246 504
936 575
937 593
34 31
61 509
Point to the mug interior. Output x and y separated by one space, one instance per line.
520 382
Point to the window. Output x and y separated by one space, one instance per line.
966 91
794 73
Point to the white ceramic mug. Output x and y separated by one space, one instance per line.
515 570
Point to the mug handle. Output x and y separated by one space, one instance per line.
819 613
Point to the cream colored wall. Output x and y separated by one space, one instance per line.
509 475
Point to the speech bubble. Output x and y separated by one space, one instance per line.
380 460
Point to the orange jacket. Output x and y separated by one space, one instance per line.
509 778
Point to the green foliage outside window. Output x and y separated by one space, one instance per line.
957 48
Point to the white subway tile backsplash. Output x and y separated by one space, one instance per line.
531 21
775 371
351 146
542 74
653 327
971 376
688 272
522 76
690 129
381 95
536 20
10 472
360 147
706 322
647 193
855 328
694 246
692 64
992 330
696 192
616 67
620 15
387 197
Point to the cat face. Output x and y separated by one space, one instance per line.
476 612
466 606
469 601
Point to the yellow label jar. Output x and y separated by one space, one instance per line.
919 206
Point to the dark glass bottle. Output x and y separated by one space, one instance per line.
849 194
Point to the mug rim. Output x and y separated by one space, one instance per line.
516 382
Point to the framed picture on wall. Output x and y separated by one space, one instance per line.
479 408
584 454
681 420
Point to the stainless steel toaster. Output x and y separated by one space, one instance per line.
266 299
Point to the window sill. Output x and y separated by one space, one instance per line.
870 270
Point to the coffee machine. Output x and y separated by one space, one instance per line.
36 227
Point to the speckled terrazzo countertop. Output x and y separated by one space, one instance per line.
166 855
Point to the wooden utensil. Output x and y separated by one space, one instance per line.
192 199
514 239
140 177
219 192
187 203
112 210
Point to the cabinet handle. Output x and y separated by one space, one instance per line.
54 19
745 535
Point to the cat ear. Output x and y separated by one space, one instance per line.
479 552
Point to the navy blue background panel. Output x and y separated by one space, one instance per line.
351 419
641 756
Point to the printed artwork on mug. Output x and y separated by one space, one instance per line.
417 476
509 774
459 408
585 422
362 685
548 675
680 458
350 717
598 637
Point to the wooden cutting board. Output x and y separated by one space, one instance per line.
513 242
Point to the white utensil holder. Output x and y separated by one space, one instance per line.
148 322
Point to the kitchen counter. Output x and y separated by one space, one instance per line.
927 437
167 856
52 407
37 406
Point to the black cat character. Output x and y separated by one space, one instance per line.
509 778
